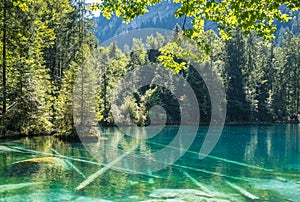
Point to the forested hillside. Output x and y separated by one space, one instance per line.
45 43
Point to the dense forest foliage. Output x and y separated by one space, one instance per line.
45 43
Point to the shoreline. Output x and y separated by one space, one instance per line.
77 139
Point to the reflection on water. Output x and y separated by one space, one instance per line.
248 161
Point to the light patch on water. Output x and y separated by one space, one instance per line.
289 189
61 195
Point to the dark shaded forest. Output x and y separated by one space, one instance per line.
45 44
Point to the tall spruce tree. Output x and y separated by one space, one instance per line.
237 105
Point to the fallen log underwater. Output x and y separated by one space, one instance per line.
135 172
4 148
217 158
179 166
200 185
70 164
88 162
10 187
213 193
49 160
142 173
242 191
92 177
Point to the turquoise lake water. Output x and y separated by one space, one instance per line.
259 163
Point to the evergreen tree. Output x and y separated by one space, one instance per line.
291 71
73 47
237 105
112 65
28 100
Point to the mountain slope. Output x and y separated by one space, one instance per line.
159 16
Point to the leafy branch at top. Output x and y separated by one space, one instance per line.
251 16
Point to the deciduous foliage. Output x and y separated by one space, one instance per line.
250 15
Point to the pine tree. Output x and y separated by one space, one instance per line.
73 47
237 105
112 65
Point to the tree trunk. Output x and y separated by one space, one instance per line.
4 67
